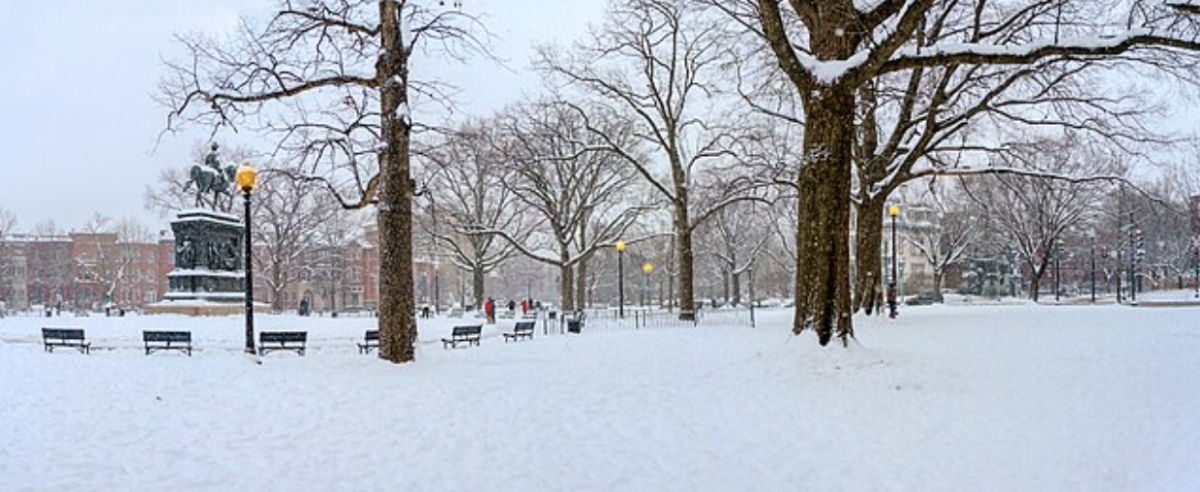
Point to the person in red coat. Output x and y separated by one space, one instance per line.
489 310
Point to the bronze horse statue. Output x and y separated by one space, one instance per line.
210 178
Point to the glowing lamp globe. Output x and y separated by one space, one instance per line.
620 245
247 178
894 211
648 268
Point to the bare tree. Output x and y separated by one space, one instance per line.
829 51
1034 213
945 233
8 226
585 196
108 250
737 236
287 216
332 80
468 194
653 63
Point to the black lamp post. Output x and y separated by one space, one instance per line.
893 300
621 279
1196 265
1093 257
1057 252
247 177
751 271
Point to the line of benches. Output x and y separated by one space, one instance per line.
268 341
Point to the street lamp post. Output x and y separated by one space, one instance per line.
621 279
1196 265
1057 252
893 212
1093 257
247 177
751 294
648 269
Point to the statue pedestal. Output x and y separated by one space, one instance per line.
208 278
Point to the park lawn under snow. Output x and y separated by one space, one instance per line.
952 398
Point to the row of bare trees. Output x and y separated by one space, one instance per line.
853 100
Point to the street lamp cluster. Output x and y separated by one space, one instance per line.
647 268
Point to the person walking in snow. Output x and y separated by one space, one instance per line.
489 311
891 300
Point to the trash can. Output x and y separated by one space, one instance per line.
553 314
574 326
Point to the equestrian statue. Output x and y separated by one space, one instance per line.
210 178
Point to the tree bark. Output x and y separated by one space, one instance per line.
868 259
735 280
823 236
683 247
566 289
581 284
725 285
1035 282
397 321
938 275
477 278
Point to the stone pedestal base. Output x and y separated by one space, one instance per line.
203 309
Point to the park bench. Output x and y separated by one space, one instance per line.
167 340
65 337
523 329
463 334
370 341
269 341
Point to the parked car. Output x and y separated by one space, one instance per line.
922 299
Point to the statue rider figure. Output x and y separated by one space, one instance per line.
212 161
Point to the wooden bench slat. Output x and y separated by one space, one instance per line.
523 329
370 341
65 337
469 335
295 341
167 340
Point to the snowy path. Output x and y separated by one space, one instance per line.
947 398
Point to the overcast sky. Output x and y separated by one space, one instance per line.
78 126
77 122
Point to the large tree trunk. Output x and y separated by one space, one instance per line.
725 285
823 236
397 321
736 281
938 276
683 246
477 277
868 242
581 284
566 289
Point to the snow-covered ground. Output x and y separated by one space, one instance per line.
971 397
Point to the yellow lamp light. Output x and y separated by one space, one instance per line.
620 245
894 211
648 268
247 178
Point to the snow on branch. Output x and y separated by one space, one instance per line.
984 53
